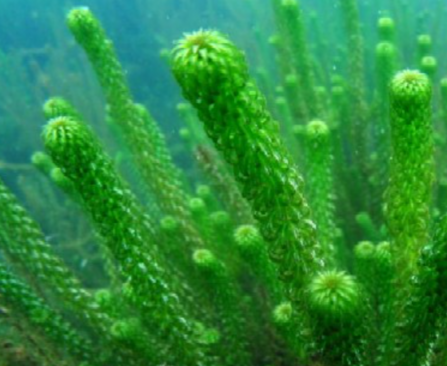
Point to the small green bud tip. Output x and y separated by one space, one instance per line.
57 129
60 178
410 87
280 101
279 90
203 258
40 316
385 24
62 133
291 79
103 297
337 91
183 107
334 294
274 40
362 218
385 49
298 130
197 205
364 250
169 224
247 235
317 130
185 134
384 246
206 336
57 107
125 329
207 57
220 218
210 337
41 160
424 40
198 43
127 291
320 90
383 253
282 314
51 107
289 3
82 23
444 83
203 191
337 80
429 64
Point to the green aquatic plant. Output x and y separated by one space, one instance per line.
213 72
286 252
412 167
320 186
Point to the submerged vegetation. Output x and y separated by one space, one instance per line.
311 229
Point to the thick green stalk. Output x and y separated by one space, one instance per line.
14 293
225 297
250 244
386 29
59 107
335 304
269 293
364 267
292 328
373 268
140 131
24 243
25 247
320 190
425 310
409 194
125 230
214 78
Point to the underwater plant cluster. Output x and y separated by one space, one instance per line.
311 230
